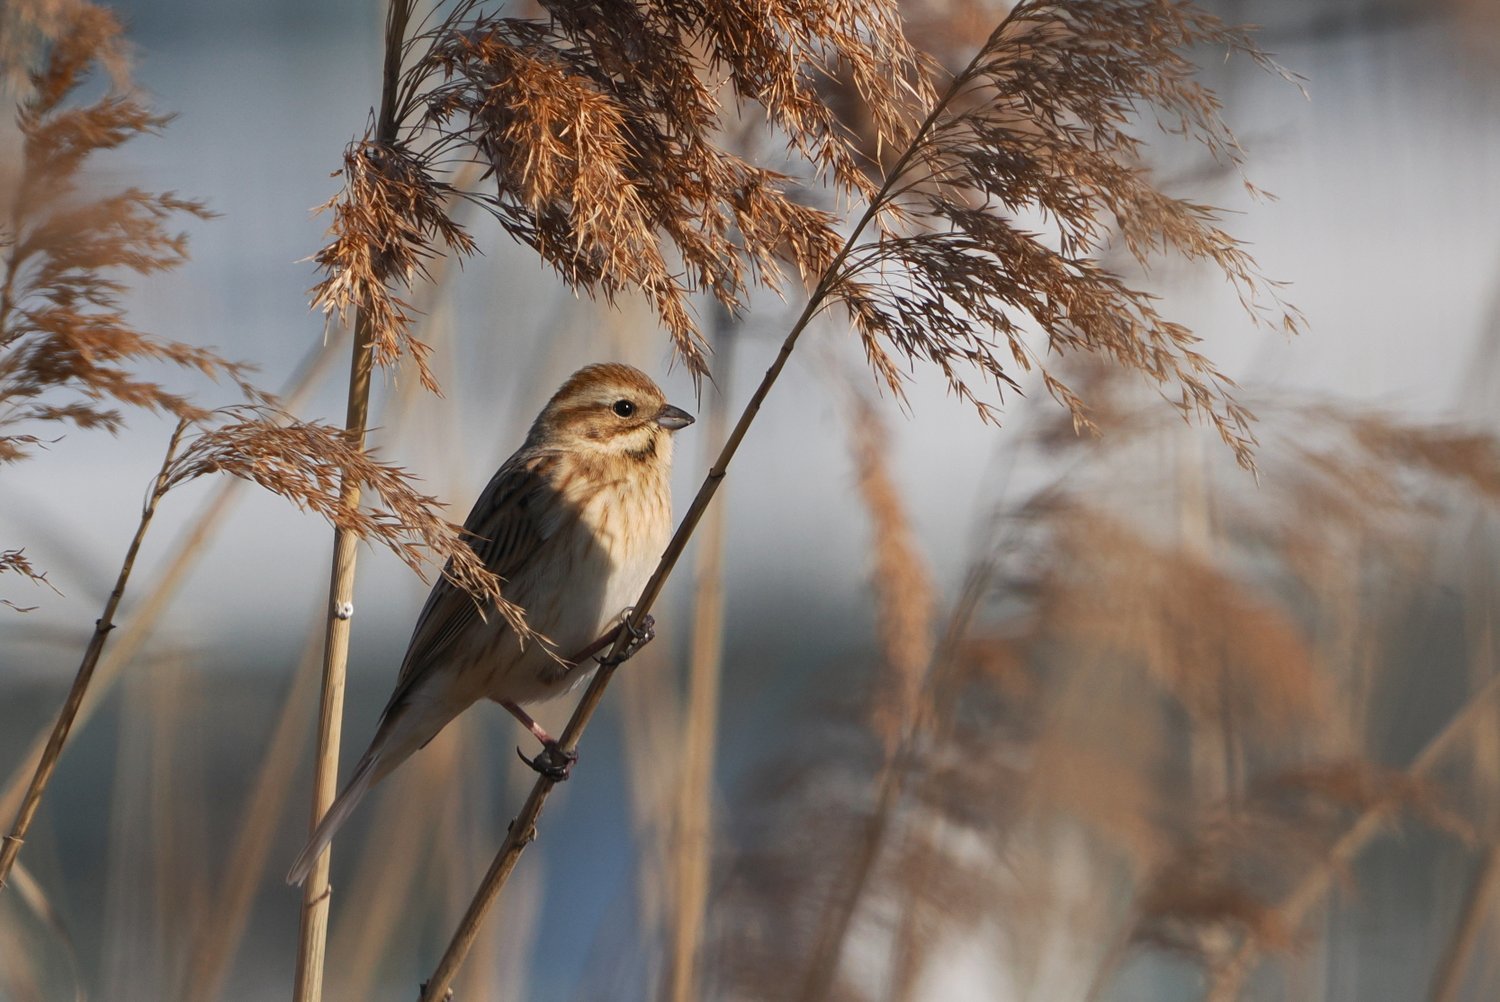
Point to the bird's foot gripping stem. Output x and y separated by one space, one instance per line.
552 761
639 636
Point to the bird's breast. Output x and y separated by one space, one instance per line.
599 561
630 521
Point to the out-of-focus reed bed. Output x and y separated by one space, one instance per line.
1165 720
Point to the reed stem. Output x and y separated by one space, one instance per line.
10 847
312 940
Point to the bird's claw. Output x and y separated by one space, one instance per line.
639 636
551 761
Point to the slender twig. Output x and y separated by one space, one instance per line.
11 846
313 935
693 840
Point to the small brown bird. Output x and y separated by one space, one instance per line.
574 523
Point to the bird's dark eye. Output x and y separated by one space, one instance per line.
624 408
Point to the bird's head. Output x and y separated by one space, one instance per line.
610 409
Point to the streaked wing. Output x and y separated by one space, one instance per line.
510 523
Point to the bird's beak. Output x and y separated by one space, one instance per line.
673 418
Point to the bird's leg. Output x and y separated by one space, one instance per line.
596 646
551 761
528 722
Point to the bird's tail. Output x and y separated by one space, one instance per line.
365 775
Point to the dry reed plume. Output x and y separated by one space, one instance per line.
598 129
16 562
69 350
305 462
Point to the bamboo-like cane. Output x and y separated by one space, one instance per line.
312 939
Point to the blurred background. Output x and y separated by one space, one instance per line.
989 713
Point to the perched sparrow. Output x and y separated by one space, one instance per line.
573 523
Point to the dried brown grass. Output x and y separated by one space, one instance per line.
600 133
16 562
67 349
187 551
940 288
308 462
304 462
